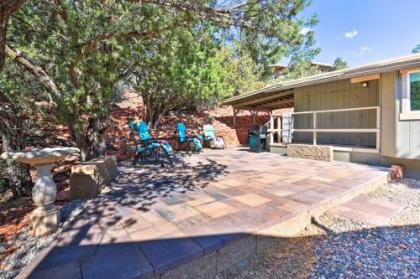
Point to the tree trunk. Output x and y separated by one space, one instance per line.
7 8
85 150
3 30
18 178
153 115
16 174
98 127
92 142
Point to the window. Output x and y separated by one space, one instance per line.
414 90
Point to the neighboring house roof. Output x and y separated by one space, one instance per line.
319 64
372 68
280 66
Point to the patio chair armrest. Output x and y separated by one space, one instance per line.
220 137
147 141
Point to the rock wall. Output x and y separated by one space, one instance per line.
221 118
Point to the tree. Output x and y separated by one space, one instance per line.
78 50
416 49
75 53
240 74
339 63
170 71
253 35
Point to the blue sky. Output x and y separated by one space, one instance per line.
363 31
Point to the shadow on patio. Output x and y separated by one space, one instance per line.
209 211
185 257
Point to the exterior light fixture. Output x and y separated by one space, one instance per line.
364 84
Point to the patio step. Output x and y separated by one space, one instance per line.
249 244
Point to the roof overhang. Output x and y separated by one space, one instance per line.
274 93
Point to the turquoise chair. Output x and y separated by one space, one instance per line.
148 146
185 142
211 138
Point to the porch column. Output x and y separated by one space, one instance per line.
235 112
253 113
314 127
271 129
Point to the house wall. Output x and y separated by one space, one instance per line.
400 138
337 95
407 131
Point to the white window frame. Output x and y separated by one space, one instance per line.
409 88
406 112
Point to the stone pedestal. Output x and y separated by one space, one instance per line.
45 220
46 217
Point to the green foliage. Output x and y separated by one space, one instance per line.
240 74
416 49
179 54
339 63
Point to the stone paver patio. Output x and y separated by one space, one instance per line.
202 215
370 210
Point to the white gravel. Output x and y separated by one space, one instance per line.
339 247
30 246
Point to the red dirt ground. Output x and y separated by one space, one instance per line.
14 215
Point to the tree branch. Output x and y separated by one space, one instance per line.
36 70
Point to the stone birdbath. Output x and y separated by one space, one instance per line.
46 217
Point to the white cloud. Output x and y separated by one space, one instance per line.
363 50
350 34
305 30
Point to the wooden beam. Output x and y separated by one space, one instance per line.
365 78
256 101
253 114
404 71
278 103
252 108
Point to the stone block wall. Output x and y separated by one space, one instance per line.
314 152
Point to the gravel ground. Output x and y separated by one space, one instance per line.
338 247
30 246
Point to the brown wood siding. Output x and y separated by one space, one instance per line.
336 95
389 99
407 132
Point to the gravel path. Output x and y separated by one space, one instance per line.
30 246
339 247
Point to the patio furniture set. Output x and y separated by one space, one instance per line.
160 149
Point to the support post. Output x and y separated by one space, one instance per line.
271 134
378 127
235 112
314 127
253 113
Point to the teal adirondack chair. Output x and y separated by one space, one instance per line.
210 137
148 146
186 142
